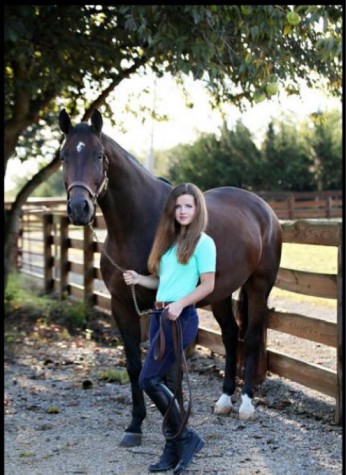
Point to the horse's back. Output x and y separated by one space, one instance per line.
247 234
240 198
235 209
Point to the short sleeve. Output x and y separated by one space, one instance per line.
206 254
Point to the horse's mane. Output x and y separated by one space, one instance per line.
122 151
107 138
164 179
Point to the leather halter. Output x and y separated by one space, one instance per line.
102 188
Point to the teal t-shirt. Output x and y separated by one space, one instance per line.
177 280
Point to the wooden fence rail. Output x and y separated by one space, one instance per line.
305 204
56 250
287 205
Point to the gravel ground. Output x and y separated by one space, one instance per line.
61 418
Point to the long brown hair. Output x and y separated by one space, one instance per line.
170 232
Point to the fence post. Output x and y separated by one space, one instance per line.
64 245
339 411
291 207
47 253
88 258
329 207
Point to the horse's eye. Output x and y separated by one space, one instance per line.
100 156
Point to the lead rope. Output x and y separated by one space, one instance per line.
181 366
133 292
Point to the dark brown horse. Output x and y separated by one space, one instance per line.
246 231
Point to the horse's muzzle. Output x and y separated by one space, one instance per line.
80 210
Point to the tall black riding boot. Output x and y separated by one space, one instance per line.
179 451
162 397
189 443
168 459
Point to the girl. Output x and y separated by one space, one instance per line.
182 264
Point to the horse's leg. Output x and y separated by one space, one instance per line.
257 292
129 327
223 313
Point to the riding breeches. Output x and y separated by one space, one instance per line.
159 368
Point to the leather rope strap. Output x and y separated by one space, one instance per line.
180 368
160 346
139 312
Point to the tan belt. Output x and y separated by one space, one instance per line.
161 305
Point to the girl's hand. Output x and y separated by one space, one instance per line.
174 310
131 277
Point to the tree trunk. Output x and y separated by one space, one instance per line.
13 129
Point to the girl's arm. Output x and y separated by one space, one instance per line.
131 277
204 288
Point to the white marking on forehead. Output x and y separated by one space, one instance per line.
80 146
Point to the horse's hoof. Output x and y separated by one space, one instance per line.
246 410
131 439
243 416
223 407
222 411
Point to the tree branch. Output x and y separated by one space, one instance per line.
104 94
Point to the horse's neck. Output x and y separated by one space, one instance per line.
134 198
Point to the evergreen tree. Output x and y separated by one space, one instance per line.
287 157
326 143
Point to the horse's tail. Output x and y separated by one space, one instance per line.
242 312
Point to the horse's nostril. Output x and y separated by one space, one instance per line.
79 210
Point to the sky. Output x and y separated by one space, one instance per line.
184 124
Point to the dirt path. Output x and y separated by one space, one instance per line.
55 425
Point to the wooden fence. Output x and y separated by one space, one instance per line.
286 204
67 258
308 204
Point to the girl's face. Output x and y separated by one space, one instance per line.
185 209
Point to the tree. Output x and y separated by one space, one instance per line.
242 153
293 156
304 156
78 54
56 51
53 187
199 163
326 143
212 161
287 158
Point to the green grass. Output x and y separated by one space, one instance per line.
23 294
309 258
114 375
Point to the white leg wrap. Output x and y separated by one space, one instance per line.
246 410
223 405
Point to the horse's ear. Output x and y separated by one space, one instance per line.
64 122
96 121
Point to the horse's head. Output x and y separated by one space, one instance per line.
84 166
